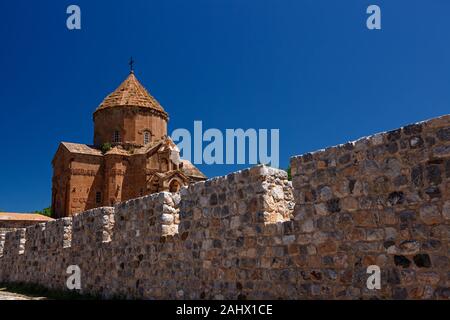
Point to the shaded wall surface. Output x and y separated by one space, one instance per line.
382 200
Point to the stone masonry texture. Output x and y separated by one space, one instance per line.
382 200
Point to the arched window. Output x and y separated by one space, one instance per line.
174 186
147 137
116 137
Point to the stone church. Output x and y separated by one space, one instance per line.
132 155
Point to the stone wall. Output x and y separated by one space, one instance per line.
199 243
380 200
2 239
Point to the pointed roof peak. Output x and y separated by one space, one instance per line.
131 93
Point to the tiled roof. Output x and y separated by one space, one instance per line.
131 93
91 150
81 148
117 150
190 170
145 149
11 216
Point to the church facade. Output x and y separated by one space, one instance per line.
131 156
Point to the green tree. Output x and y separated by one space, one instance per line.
106 147
45 212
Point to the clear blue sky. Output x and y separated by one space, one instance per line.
310 68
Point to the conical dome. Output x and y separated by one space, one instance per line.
129 116
131 93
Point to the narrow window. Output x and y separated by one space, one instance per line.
116 137
146 137
174 186
164 165
98 197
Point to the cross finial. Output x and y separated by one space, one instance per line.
131 63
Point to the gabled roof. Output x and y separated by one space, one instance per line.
131 93
187 169
149 148
190 170
81 148
12 216
170 174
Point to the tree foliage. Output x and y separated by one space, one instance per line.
45 212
